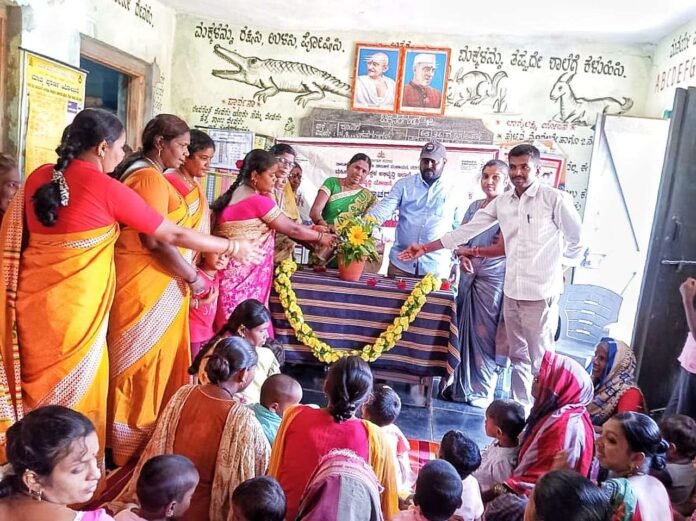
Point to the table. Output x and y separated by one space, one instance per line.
348 315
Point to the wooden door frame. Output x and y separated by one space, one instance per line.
140 85
3 73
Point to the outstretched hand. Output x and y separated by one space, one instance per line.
412 252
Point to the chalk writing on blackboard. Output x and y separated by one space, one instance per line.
331 123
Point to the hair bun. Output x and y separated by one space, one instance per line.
662 447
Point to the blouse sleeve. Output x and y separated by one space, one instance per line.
266 208
631 401
329 186
151 186
129 208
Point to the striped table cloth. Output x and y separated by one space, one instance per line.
348 315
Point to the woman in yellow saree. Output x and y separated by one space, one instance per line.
55 299
148 333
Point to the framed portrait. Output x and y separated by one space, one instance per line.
424 74
376 77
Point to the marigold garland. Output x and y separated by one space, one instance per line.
370 352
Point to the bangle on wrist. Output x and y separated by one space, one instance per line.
321 236
195 303
235 248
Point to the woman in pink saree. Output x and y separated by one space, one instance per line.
248 210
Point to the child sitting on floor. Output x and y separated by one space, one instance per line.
504 422
438 494
258 499
202 307
249 320
164 489
383 409
464 455
278 392
680 432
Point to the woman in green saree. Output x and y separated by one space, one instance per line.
341 195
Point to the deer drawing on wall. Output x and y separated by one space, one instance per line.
583 111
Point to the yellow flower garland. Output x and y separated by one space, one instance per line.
370 352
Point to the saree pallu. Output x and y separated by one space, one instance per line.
355 202
240 282
148 341
242 453
479 305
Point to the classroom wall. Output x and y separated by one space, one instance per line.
517 104
673 67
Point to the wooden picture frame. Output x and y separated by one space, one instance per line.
376 67
424 76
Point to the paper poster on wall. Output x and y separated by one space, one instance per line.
54 94
230 146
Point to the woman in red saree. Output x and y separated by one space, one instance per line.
307 434
247 210
56 298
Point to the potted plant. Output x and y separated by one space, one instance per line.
356 245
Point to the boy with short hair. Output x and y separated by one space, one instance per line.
464 455
259 499
383 409
680 432
504 422
438 494
278 392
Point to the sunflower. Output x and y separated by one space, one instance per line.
357 236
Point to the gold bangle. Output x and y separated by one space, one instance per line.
499 489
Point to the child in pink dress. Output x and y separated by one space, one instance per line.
203 307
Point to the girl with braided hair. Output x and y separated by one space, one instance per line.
247 210
55 305
307 434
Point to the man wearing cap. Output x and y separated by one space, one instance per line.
428 208
542 231
418 92
375 90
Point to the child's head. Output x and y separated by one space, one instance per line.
384 406
277 348
212 261
279 391
504 420
258 499
438 490
567 495
680 433
506 507
461 451
250 320
165 486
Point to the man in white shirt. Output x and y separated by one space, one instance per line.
542 232
375 90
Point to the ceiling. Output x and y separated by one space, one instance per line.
628 21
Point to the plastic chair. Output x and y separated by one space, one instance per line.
585 313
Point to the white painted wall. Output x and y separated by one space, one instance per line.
674 66
524 94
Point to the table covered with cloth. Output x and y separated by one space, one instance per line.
348 315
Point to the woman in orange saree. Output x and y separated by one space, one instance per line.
247 211
55 299
187 179
148 335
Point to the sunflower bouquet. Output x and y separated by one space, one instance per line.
355 238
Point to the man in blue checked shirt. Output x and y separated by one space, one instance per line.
428 207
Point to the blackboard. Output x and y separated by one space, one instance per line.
331 123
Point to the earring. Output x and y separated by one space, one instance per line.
36 495
253 183
159 153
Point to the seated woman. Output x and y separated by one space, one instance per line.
613 372
343 195
630 447
53 462
208 425
558 422
306 434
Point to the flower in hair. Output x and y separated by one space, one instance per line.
59 179
239 164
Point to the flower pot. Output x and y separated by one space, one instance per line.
350 271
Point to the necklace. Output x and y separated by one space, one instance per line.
188 179
152 163
231 395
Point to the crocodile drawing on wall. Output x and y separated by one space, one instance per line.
275 76
583 111
476 87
